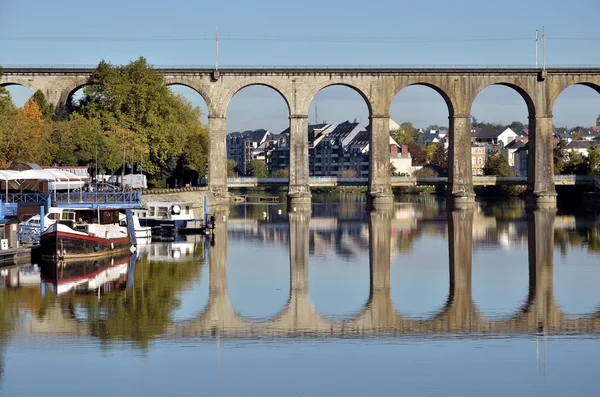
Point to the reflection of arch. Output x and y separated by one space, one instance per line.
320 87
253 82
437 89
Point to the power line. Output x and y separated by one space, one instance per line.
307 39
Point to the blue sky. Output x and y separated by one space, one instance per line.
436 32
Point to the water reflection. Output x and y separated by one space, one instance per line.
140 299
100 276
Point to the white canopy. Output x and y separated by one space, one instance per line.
45 175
6 174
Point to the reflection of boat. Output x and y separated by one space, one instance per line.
166 218
171 252
83 276
84 233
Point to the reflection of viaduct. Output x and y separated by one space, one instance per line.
378 316
378 87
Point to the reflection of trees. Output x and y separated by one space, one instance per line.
14 304
142 312
579 237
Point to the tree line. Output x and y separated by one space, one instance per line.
126 115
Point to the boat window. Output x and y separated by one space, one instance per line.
68 216
187 209
162 211
53 216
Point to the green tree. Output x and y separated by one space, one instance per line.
407 133
43 105
516 126
576 164
598 121
257 169
593 160
560 160
281 173
134 98
231 172
497 165
425 172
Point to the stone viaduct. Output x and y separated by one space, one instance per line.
378 87
539 312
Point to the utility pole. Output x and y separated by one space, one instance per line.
544 47
316 112
217 49
537 35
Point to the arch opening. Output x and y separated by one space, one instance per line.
418 287
576 117
501 129
339 132
501 274
258 289
419 124
258 132
19 93
339 271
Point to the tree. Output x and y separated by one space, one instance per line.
43 105
598 121
30 112
559 158
593 160
516 126
231 172
430 151
257 169
281 173
497 165
440 157
347 173
425 172
417 153
405 134
134 98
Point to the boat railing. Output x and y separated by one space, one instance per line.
129 197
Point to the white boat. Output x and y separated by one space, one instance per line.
84 233
169 218
143 234
31 227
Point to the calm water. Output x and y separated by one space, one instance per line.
416 301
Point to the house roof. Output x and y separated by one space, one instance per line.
579 144
515 144
488 132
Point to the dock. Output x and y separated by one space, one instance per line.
15 256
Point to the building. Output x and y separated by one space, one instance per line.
579 146
400 158
478 157
345 147
508 151
521 159
493 135
243 147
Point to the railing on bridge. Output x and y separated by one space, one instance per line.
414 181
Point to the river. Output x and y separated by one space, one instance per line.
420 300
